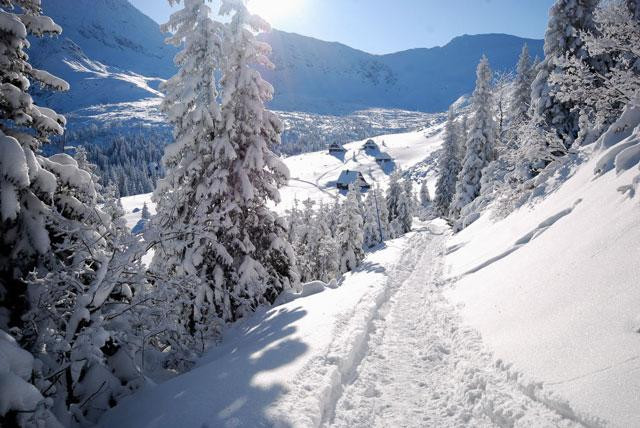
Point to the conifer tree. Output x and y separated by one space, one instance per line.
394 198
480 144
521 97
376 226
425 197
350 236
449 167
567 19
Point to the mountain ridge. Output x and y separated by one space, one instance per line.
112 53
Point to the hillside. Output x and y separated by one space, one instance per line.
111 53
530 320
317 76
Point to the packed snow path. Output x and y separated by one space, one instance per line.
421 368
384 349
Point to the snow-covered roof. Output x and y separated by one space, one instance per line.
336 146
370 144
349 177
383 157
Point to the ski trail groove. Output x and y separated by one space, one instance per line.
419 367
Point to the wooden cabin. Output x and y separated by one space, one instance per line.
348 177
335 148
370 145
383 158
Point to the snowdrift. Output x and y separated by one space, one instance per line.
554 288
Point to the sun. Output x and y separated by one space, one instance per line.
275 11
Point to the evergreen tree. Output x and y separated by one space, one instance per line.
188 246
376 226
256 237
480 144
409 207
350 236
521 97
425 197
145 215
449 167
562 40
327 263
394 198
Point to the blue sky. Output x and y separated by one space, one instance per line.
383 26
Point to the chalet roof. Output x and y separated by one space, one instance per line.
370 143
349 177
336 146
383 157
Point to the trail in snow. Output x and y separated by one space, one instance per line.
420 367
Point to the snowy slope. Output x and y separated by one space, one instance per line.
531 320
318 76
109 52
313 175
553 290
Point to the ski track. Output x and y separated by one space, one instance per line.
417 366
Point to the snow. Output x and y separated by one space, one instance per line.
282 364
314 175
15 369
531 320
551 290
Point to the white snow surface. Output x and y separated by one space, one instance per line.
313 175
553 290
528 321
362 354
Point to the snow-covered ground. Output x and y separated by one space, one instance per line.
313 175
531 320
553 290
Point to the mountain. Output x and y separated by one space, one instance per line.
317 76
109 52
112 53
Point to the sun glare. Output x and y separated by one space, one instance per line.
275 10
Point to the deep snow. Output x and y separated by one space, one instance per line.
553 290
531 320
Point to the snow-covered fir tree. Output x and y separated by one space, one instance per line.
188 247
480 143
376 223
425 196
394 198
215 230
567 19
145 214
407 210
253 172
521 96
449 167
327 263
350 233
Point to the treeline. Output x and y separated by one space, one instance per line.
331 239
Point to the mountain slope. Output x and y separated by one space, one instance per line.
317 76
109 52
112 53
